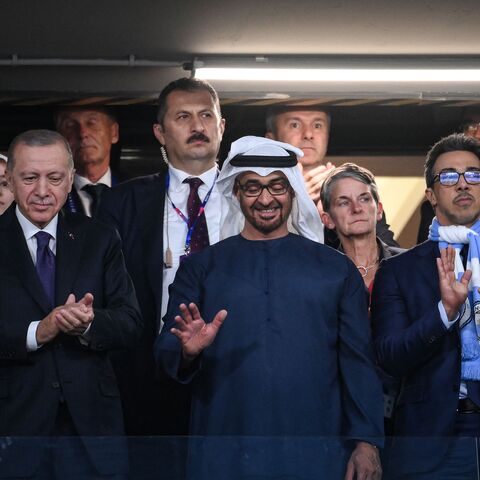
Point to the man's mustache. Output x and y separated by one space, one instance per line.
198 137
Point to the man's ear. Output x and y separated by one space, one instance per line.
158 132
270 135
430 194
327 220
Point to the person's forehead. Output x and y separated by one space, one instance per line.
348 186
84 114
304 115
37 157
250 175
456 160
180 100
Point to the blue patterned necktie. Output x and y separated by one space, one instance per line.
200 238
46 265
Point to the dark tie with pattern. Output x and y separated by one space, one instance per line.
95 191
199 238
46 265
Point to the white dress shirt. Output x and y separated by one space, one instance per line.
79 182
175 229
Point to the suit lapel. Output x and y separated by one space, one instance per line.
427 265
152 234
70 242
18 260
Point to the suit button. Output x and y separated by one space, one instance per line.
100 346
55 385
432 339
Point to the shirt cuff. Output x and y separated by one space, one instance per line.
32 344
85 337
443 315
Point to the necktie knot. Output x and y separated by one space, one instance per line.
194 183
43 238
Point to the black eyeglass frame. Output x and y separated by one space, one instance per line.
437 177
243 187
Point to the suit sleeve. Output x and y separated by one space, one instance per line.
362 392
405 333
117 322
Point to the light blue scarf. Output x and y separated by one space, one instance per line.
469 318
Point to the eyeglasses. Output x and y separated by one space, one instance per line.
449 178
255 189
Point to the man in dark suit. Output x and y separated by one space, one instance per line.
158 224
66 301
91 132
425 324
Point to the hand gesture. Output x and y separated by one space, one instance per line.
192 331
453 293
314 179
74 317
364 463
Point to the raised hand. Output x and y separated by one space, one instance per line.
314 179
192 331
453 293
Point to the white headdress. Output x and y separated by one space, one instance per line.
248 153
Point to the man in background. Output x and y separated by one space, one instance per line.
308 128
91 132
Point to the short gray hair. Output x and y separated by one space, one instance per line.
38 138
347 170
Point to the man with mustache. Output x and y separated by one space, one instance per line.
161 219
426 324
91 133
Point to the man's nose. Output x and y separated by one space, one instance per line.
197 124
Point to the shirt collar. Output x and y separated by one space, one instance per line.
80 181
29 229
178 176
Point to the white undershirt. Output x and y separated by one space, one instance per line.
175 229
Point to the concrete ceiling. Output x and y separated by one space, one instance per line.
179 30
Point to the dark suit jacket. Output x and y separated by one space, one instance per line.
135 208
414 345
88 259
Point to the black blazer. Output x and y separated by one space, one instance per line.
135 208
88 259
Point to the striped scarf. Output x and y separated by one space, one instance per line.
469 318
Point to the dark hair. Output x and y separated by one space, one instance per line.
37 138
347 170
184 84
273 112
456 142
108 111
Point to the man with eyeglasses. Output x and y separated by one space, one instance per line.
425 312
291 366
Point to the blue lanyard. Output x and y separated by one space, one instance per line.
201 210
